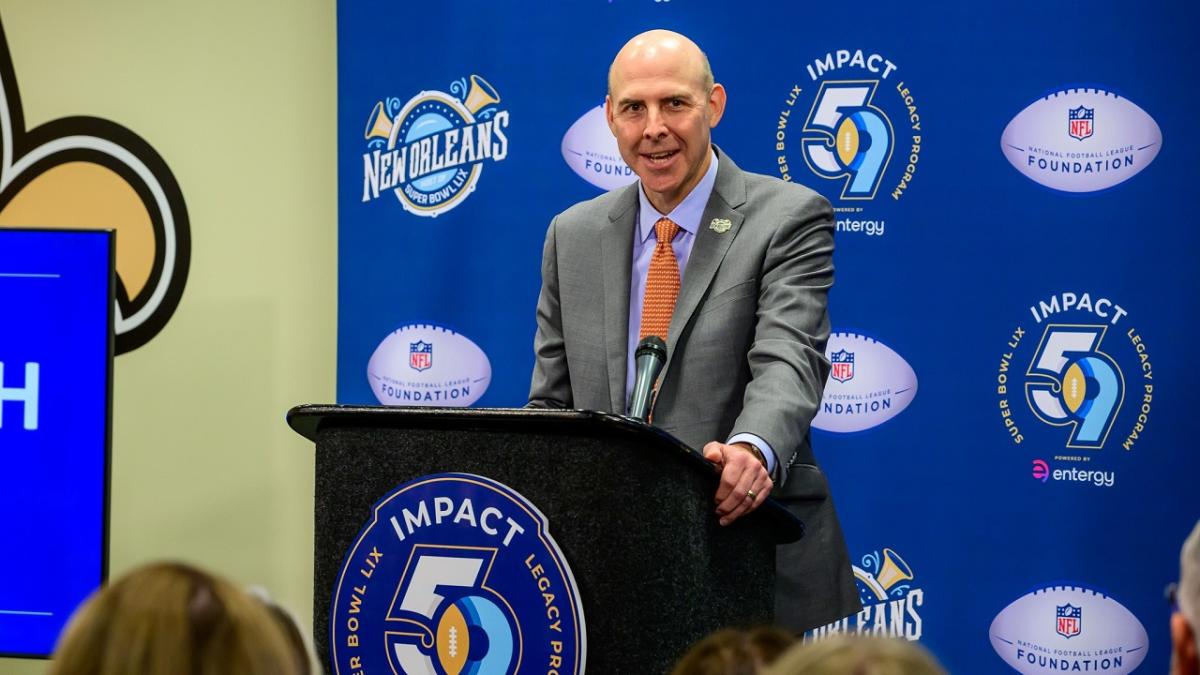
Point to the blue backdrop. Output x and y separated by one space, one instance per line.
1014 294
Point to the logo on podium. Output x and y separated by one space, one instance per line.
456 574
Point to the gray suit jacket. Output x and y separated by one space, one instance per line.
745 349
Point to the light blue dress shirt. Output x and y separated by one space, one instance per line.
687 216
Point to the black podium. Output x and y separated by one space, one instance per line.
630 507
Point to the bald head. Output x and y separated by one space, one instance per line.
661 106
661 46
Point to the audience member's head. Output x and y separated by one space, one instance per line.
857 655
172 619
734 652
1185 623
287 625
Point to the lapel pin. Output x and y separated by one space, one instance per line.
720 225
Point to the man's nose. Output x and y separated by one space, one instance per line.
655 126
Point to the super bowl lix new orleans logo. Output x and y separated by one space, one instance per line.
857 129
1075 379
430 150
456 574
891 602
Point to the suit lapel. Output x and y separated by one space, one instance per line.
616 244
729 192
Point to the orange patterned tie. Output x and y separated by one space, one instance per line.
662 283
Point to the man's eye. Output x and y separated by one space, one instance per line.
633 107
677 103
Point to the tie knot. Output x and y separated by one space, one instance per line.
665 229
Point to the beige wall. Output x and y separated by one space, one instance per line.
239 98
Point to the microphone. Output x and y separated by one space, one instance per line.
649 359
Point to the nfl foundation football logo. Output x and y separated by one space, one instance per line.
855 401
1079 121
1070 619
402 371
420 355
1089 157
456 574
1115 641
590 149
842 365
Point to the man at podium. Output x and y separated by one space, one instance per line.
731 269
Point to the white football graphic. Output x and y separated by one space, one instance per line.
1068 629
591 151
428 366
1081 140
868 384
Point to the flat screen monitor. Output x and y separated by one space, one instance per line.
56 351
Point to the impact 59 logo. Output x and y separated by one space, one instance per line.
1076 379
456 574
856 126
430 150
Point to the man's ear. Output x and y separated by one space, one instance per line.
608 114
1183 646
716 105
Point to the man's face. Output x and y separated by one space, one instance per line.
662 115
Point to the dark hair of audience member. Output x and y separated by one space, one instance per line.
173 619
857 655
734 652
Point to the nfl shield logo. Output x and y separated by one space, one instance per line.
1070 620
420 355
1079 121
842 363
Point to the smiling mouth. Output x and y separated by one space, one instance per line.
659 158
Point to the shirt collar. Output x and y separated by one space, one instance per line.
687 214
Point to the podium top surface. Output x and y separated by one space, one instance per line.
310 420
307 420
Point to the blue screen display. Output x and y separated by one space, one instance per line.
56 308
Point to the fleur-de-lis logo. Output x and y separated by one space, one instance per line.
90 173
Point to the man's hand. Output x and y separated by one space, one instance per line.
742 475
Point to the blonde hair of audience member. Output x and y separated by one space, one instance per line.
173 619
857 655
287 625
734 652
1185 623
